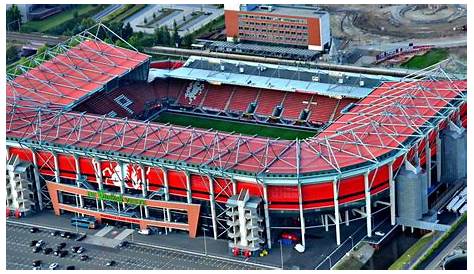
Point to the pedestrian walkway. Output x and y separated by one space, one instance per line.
104 231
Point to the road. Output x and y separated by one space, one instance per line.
105 12
435 262
35 37
19 255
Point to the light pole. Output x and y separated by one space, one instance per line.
205 245
281 254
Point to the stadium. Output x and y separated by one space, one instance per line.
87 118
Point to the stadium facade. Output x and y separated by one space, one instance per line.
72 116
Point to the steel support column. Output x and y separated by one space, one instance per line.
347 217
167 212
336 211
78 179
267 216
428 160
438 157
37 180
212 201
56 168
98 176
302 224
144 189
188 188
368 205
393 206
234 186
122 179
326 222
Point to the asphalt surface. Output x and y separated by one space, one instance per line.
435 262
19 255
35 37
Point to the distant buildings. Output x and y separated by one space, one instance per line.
296 25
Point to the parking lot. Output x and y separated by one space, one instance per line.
19 255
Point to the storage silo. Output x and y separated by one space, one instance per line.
408 189
453 154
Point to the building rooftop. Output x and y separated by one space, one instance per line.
292 10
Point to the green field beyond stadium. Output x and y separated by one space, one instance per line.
232 126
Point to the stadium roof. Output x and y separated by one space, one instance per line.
385 122
299 53
278 77
76 72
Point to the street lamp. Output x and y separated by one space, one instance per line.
205 245
281 253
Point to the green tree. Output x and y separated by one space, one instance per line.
13 18
188 39
11 53
175 39
127 31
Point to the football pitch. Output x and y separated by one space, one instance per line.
233 126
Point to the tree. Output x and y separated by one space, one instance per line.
188 39
13 18
184 18
127 31
175 39
11 53
145 21
154 16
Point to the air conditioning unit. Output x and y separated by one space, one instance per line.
241 69
361 83
222 68
341 81
315 78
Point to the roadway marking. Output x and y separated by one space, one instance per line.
124 234
104 231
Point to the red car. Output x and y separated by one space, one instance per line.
290 236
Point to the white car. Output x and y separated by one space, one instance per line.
39 243
53 266
144 231
379 233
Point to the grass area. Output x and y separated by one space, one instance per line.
124 12
210 27
57 19
430 58
230 126
411 252
440 241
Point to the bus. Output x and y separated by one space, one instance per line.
86 222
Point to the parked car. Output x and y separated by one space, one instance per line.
53 266
123 244
60 246
36 262
70 267
33 243
47 250
55 233
34 229
144 231
82 237
63 253
290 236
379 233
36 249
40 243
111 263
84 257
